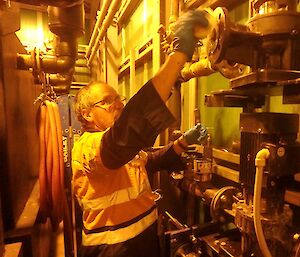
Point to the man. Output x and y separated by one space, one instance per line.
109 169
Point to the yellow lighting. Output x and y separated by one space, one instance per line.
145 12
32 32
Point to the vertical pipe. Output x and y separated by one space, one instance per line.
132 72
175 8
174 102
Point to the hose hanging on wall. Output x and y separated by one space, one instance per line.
51 167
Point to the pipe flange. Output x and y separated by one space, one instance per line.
223 199
216 43
230 70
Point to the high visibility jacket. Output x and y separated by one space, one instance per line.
109 175
117 204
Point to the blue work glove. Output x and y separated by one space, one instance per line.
184 34
196 135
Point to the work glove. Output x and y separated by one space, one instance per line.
195 135
184 33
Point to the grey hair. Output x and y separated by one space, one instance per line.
84 100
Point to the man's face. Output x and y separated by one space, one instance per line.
107 107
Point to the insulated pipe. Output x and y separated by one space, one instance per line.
106 23
99 21
260 163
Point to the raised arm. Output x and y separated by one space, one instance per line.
187 26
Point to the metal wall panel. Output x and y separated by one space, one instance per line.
18 131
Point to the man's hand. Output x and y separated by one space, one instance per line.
195 135
184 35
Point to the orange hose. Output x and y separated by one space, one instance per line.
51 167
42 164
60 145
56 214
48 158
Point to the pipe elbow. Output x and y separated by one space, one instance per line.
61 64
65 63
197 69
261 156
60 79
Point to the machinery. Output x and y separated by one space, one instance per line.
249 214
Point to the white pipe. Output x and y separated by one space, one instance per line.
260 163
106 23
100 18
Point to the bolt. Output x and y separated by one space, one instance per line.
223 243
193 239
239 196
223 198
216 242
296 237
294 32
281 151
173 240
273 183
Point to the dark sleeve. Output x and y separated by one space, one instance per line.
142 119
164 159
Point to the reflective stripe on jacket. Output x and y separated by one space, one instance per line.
117 204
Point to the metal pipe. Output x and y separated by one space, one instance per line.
62 62
175 8
106 23
60 79
197 69
61 82
47 63
100 17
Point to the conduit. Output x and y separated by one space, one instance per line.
260 163
51 167
99 21
102 31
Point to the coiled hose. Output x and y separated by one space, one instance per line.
53 203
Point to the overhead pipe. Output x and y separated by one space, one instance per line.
106 23
100 17
67 30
